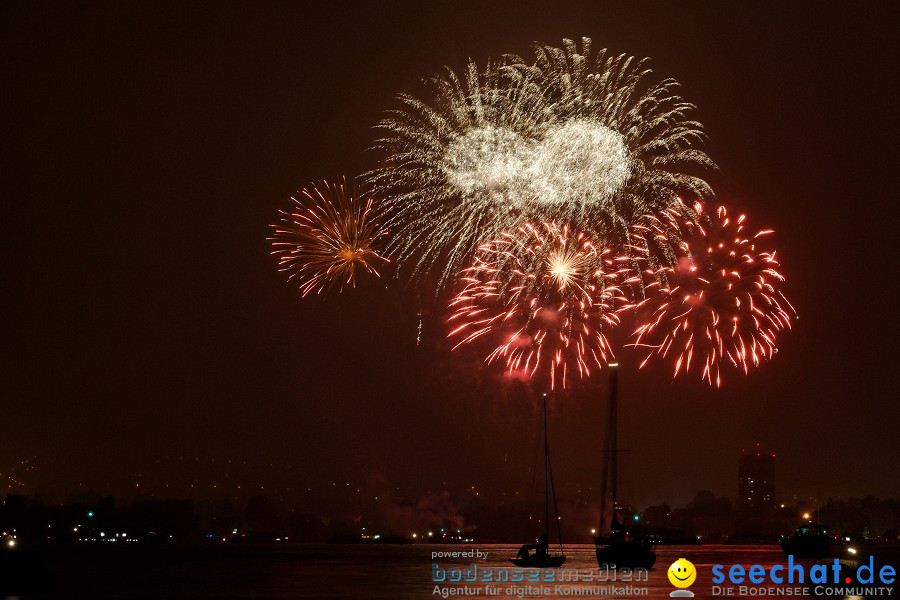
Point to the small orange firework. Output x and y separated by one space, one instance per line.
712 291
540 297
329 234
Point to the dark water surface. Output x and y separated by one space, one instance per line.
339 571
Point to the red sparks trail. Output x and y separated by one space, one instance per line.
539 298
712 291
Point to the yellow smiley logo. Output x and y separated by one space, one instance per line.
682 573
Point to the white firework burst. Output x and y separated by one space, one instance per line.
574 137
580 162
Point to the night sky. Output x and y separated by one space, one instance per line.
148 146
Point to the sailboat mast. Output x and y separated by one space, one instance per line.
613 431
546 475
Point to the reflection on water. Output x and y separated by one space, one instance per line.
340 571
409 575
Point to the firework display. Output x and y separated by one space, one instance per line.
713 292
329 234
572 137
547 157
540 298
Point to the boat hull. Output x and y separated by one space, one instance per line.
807 547
626 555
549 562
809 541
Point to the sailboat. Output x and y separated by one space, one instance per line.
621 544
542 556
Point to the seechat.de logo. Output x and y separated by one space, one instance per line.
682 574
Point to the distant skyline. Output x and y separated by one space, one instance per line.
149 147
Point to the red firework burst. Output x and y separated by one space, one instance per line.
712 291
540 296
329 234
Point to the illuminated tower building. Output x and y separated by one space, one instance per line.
756 480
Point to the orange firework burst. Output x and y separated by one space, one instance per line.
328 235
712 292
541 296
